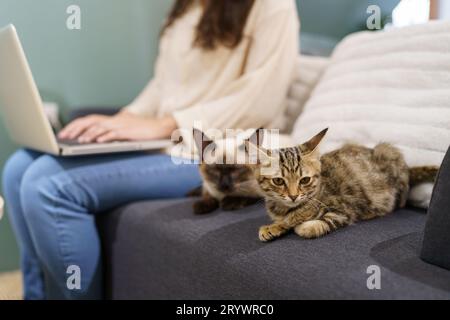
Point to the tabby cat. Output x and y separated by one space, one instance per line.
316 195
230 186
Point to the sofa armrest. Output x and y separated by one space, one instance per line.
436 241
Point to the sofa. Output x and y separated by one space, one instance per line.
161 250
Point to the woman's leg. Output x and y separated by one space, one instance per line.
60 197
13 172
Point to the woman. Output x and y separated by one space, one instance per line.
222 64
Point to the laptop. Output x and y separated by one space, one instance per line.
23 113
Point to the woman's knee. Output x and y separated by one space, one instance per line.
15 168
37 189
46 187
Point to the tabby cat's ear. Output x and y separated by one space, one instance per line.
311 145
202 141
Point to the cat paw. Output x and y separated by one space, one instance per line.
203 207
268 233
312 229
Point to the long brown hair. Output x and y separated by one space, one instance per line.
223 21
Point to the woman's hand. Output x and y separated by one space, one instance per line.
121 127
75 128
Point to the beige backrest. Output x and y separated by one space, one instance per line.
308 72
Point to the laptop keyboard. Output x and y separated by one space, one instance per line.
67 142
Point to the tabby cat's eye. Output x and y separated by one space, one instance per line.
305 180
278 181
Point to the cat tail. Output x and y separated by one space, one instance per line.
418 175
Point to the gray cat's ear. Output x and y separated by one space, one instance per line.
257 154
311 145
202 141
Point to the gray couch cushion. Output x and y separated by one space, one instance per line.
160 250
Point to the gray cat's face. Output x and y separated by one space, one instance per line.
226 178
293 176
223 167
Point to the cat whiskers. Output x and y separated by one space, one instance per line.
260 201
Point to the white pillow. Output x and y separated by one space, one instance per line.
388 86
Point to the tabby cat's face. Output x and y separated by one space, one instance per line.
294 180
291 176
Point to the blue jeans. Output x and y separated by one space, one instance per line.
52 202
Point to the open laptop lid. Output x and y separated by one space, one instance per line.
20 103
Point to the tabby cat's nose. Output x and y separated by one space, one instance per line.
293 198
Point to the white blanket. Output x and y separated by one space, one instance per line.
391 86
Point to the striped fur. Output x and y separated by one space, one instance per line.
316 195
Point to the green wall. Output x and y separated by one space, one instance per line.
107 62
336 19
326 22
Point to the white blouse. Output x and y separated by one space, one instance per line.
241 88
